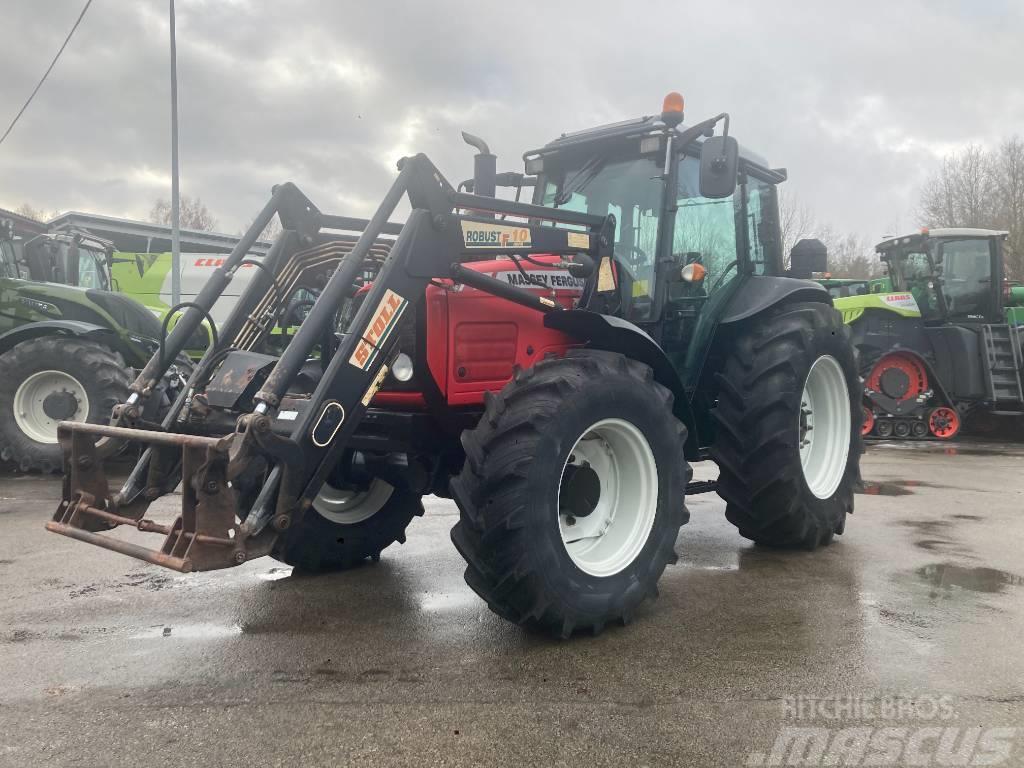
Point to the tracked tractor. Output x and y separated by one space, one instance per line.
552 366
944 343
68 344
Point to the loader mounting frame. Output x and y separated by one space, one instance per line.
300 439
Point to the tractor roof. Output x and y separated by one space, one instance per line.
891 242
625 129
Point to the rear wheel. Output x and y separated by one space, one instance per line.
347 526
571 496
48 380
789 428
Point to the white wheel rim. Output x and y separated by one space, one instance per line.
823 427
31 416
610 538
348 507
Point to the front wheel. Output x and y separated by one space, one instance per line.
571 496
48 380
348 525
789 418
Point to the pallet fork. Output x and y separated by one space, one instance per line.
293 442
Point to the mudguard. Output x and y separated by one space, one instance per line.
761 292
72 328
617 335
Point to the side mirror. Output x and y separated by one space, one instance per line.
719 163
807 257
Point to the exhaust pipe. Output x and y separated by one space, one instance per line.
485 166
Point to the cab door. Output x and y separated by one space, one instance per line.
970 279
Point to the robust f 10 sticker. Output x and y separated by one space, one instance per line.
477 234
383 322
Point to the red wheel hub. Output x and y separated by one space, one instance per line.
868 422
899 376
944 422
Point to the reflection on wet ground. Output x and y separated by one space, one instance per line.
949 576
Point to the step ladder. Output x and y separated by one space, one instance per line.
1004 358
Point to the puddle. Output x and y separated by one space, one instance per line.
948 576
189 632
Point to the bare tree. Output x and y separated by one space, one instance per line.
795 221
29 212
269 233
1009 165
963 192
850 255
193 214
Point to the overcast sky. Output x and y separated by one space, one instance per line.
859 100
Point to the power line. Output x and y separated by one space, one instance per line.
47 72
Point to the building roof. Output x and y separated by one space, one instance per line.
145 237
23 226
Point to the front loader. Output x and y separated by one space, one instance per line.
552 366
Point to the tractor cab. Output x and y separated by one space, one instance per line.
953 275
695 215
68 258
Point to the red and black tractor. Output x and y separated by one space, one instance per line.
551 366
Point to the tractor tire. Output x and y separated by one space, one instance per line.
784 485
572 493
344 529
50 379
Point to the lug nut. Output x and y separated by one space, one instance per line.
239 556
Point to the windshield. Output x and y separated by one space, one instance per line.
712 232
912 270
629 189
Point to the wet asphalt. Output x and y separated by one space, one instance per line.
106 661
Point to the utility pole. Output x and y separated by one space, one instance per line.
175 210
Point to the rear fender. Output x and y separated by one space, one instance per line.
614 334
759 293
69 328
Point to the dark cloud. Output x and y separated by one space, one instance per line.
858 100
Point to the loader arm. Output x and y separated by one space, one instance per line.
298 440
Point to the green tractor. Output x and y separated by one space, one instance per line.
945 342
68 344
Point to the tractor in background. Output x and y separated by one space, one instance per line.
68 344
944 343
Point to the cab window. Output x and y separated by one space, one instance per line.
8 260
705 229
967 277
90 271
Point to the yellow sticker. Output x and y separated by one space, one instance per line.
375 385
545 301
579 240
605 278
476 234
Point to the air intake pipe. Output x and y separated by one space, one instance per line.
485 166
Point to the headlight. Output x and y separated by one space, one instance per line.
401 368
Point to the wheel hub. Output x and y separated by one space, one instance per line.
579 491
895 383
46 398
608 497
60 405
